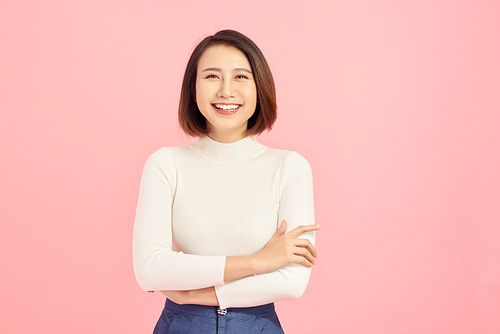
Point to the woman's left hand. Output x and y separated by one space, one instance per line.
204 296
179 297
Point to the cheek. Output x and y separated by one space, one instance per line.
250 94
197 90
202 92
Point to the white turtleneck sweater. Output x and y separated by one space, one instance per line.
202 202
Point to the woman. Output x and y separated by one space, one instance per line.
212 217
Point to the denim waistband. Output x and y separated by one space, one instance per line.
212 311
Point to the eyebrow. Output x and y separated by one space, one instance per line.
217 69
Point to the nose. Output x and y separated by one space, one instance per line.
226 89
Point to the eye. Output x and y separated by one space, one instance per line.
241 76
211 76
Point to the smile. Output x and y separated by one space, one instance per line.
226 108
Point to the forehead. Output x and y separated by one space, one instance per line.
223 57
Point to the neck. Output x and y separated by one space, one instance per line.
228 136
228 152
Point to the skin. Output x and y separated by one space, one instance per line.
224 76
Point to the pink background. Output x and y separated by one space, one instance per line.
394 103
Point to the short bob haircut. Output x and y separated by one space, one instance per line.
190 118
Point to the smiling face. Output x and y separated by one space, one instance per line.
225 92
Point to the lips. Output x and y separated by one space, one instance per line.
226 108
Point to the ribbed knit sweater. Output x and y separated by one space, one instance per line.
202 202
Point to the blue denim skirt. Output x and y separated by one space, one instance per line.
200 319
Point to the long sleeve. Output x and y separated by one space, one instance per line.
156 265
296 205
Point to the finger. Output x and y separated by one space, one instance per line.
304 243
302 260
282 229
302 229
305 253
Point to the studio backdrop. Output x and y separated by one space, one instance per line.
393 103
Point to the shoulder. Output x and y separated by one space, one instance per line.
295 173
290 159
296 159
160 155
293 167
165 157
166 152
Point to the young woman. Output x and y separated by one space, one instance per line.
225 226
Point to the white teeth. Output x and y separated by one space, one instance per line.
227 107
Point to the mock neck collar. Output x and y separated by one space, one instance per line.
228 152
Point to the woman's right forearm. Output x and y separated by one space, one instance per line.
282 249
239 266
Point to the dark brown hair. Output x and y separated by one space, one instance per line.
190 118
